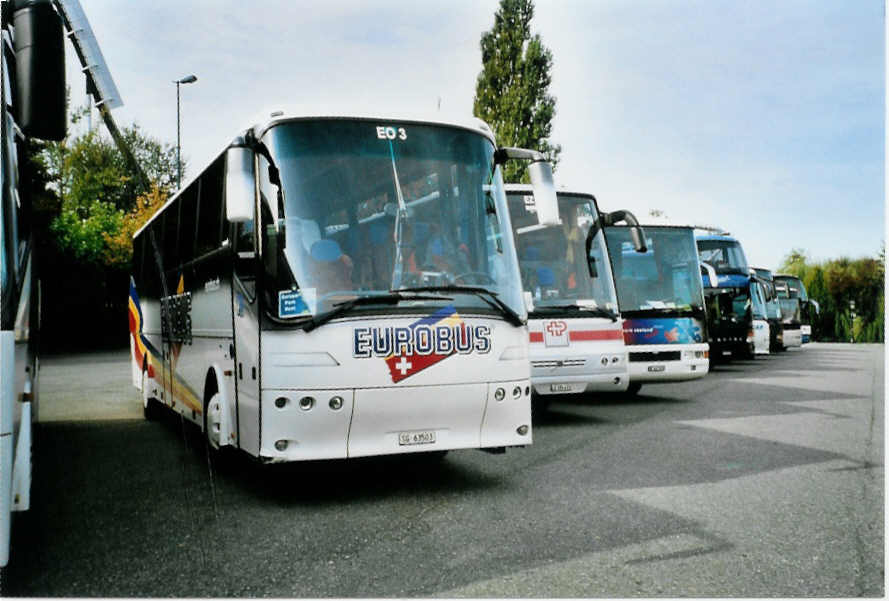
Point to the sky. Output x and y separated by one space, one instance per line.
763 118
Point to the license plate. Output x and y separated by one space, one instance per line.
412 438
657 367
561 388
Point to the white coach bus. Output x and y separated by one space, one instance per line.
576 335
340 287
661 303
32 105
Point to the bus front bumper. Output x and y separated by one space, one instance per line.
390 420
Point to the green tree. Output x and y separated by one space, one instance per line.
511 93
844 287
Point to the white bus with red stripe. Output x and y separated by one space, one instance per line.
574 326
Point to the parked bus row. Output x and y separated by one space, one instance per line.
336 286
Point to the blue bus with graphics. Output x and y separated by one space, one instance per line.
729 304
661 301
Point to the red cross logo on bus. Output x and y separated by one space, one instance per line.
556 328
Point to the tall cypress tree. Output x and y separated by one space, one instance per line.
511 93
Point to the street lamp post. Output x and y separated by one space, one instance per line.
186 79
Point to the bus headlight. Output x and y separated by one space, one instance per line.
499 394
336 403
522 430
516 392
306 403
281 445
280 402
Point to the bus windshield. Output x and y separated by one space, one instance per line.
367 209
554 264
666 276
726 256
758 300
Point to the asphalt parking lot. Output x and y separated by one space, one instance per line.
764 479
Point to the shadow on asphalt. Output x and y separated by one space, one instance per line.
325 481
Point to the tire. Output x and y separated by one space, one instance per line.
634 388
212 422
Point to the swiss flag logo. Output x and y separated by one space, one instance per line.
555 332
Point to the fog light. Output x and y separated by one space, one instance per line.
617 380
336 403
516 392
280 402
306 403
615 359
281 445
522 430
499 394
604 361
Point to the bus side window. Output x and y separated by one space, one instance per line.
209 237
171 240
187 223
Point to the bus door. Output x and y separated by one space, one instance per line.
245 317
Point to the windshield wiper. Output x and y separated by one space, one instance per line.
488 296
598 311
392 298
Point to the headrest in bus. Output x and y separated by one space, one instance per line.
545 276
326 250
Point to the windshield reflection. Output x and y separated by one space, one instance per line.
367 208
726 256
666 276
555 267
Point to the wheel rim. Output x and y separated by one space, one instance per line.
213 424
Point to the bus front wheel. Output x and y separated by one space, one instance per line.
213 421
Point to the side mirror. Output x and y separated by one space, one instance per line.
638 237
816 305
541 174
545 199
40 70
708 269
240 185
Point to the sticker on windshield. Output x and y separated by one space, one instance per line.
391 133
293 303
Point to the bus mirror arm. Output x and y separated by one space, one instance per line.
637 234
816 305
710 271
541 174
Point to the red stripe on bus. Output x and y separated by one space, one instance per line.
583 335
596 335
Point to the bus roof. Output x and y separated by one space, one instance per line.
268 119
